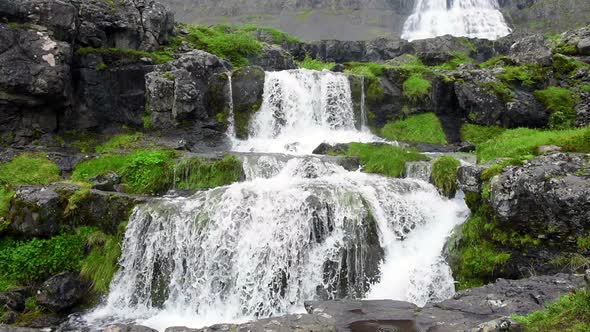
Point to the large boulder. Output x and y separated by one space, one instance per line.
531 50
59 16
34 81
273 58
62 291
247 87
190 90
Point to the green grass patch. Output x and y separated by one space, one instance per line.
571 313
562 103
444 174
371 70
528 75
6 195
458 59
585 87
566 66
424 128
101 264
158 57
196 173
383 159
522 143
416 87
29 169
501 89
498 61
142 171
314 64
477 134
119 142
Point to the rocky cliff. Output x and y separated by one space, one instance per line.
367 19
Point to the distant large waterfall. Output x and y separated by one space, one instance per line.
300 227
461 18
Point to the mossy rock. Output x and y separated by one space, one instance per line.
247 88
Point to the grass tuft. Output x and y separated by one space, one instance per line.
315 64
118 142
424 128
444 174
196 173
562 103
477 134
383 159
29 169
416 87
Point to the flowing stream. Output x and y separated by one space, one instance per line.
461 18
300 227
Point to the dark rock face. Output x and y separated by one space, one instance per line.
307 323
273 58
484 106
531 49
62 291
14 301
469 178
184 90
247 87
34 76
547 196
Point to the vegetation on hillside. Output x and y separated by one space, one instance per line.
424 128
383 159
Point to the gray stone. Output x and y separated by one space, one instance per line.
531 50
469 178
247 87
62 291
545 149
106 182
128 328
273 58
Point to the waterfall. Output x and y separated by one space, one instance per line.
461 18
420 170
364 120
300 228
231 128
301 109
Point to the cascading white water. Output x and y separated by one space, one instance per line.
461 18
291 233
301 109
298 228
231 128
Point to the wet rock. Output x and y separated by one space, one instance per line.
328 149
10 328
106 182
546 149
128 328
14 301
247 87
62 291
8 317
587 278
303 323
469 178
504 324
465 311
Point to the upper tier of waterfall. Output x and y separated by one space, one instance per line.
461 18
301 109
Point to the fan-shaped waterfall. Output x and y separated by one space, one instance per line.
461 18
298 228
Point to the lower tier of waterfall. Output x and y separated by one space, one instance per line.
299 228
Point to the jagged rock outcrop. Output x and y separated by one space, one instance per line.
62 291
44 211
247 90
273 58
187 89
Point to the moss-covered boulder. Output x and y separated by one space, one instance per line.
247 87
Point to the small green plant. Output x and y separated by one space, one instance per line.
501 89
277 35
315 64
562 103
444 174
416 87
29 169
583 243
570 313
424 128
6 195
196 173
499 61
383 159
371 70
101 67
477 134
458 59
147 121
528 75
101 264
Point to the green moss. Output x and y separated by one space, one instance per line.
383 159
585 87
169 76
444 174
147 121
119 142
6 195
528 75
418 128
499 61
29 169
501 89
566 48
479 134
570 313
522 143
196 173
416 87
498 168
101 67
371 70
374 89
583 243
458 59
315 64
75 199
142 171
566 66
562 103
82 140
